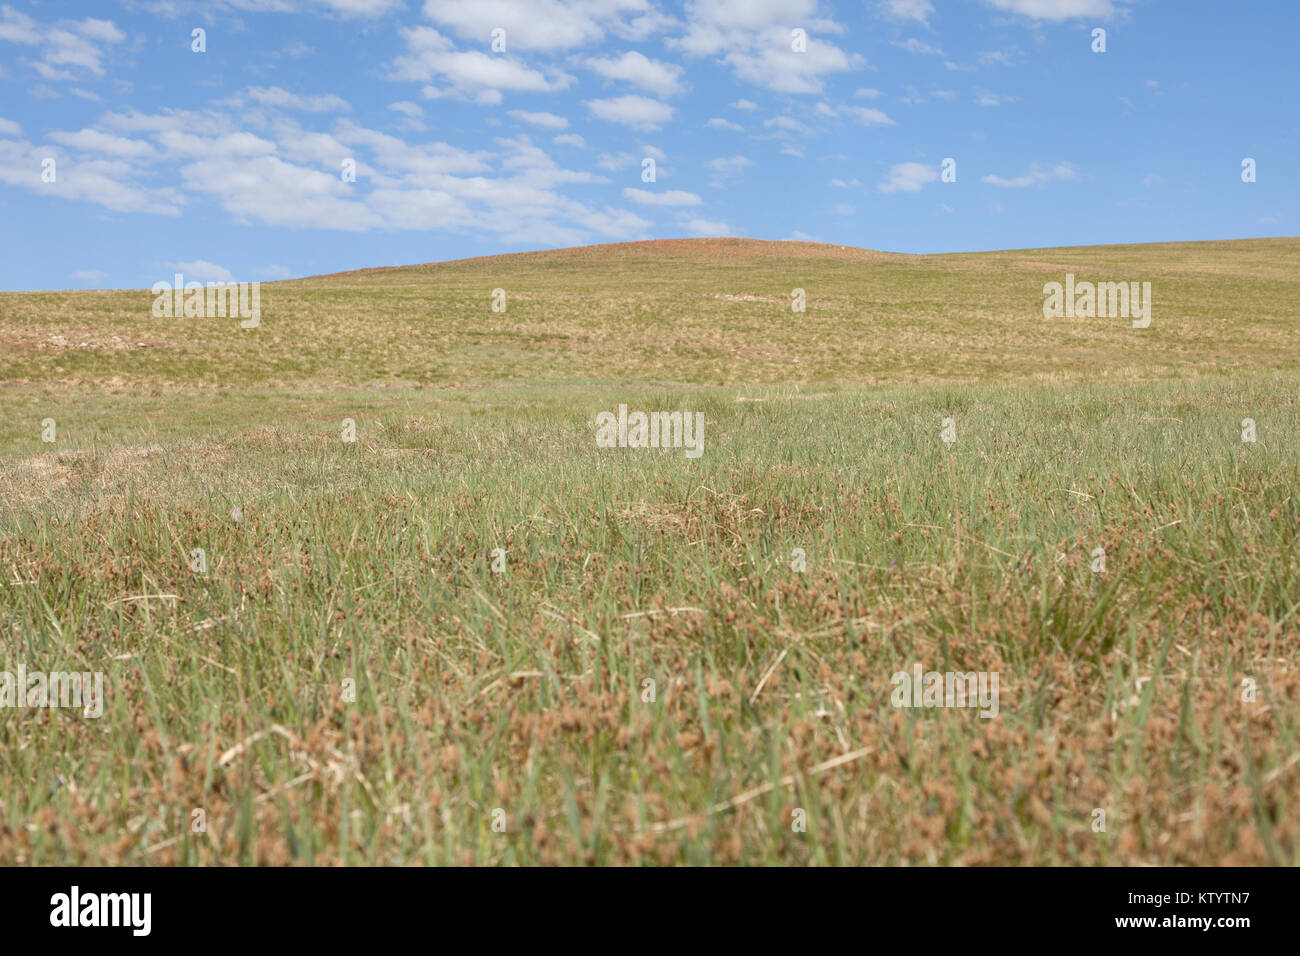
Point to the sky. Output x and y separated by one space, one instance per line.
478 127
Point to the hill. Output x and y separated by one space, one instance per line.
690 311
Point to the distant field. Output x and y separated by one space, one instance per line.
1121 690
706 312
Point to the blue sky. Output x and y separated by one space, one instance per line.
227 164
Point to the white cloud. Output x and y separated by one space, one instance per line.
719 123
912 96
279 98
98 141
727 169
1056 9
747 105
913 45
655 76
868 116
753 38
998 57
918 10
571 139
17 27
104 182
545 120
1036 175
200 270
64 47
472 74
616 161
284 175
546 25
707 227
9 128
407 108
672 197
89 275
639 112
867 93
908 178
268 190
786 124
346 9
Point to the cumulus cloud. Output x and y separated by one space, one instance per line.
654 76
985 98
753 39
868 116
1034 176
98 141
719 123
707 227
639 112
474 74
918 10
345 9
547 25
65 49
1057 9
545 120
727 170
284 175
672 197
908 178
200 270
278 98
913 45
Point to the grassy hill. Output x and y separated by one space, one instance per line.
703 311
826 539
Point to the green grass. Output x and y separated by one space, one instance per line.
1120 691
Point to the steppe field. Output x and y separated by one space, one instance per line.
314 652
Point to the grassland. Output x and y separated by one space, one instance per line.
523 691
